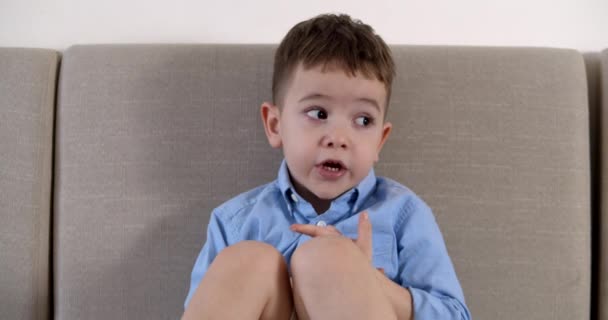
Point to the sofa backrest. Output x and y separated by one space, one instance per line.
601 252
496 141
27 90
150 138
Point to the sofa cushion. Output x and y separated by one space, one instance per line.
27 87
496 141
152 137
593 69
602 188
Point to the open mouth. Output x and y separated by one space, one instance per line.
331 170
333 166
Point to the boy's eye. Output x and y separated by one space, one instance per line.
317 114
363 121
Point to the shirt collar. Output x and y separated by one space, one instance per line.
359 193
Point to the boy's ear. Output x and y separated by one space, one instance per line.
271 119
386 131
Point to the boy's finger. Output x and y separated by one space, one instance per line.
313 231
364 239
306 229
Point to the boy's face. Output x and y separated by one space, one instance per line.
331 128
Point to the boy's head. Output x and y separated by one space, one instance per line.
336 40
331 86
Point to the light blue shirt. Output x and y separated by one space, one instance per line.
406 240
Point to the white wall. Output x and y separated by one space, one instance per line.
578 24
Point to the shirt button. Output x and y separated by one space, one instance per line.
294 197
321 223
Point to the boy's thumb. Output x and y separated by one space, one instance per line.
364 239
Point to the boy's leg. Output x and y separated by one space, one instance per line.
332 279
248 280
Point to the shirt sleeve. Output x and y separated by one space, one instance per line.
216 241
425 267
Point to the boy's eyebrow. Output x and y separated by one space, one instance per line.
313 96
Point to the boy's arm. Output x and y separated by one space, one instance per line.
425 269
216 242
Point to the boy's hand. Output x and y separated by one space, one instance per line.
364 240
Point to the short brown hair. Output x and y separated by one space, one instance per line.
337 40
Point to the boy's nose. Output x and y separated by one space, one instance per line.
331 144
336 139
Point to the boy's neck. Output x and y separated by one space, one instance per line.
320 205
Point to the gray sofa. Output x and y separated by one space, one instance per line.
113 156
597 70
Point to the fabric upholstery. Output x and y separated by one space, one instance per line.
496 141
27 87
602 172
151 137
592 65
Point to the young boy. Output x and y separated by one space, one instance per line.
327 239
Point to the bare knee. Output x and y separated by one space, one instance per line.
251 255
328 274
255 274
322 255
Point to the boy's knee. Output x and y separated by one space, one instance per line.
251 254
322 254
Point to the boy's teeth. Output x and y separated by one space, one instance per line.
331 169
